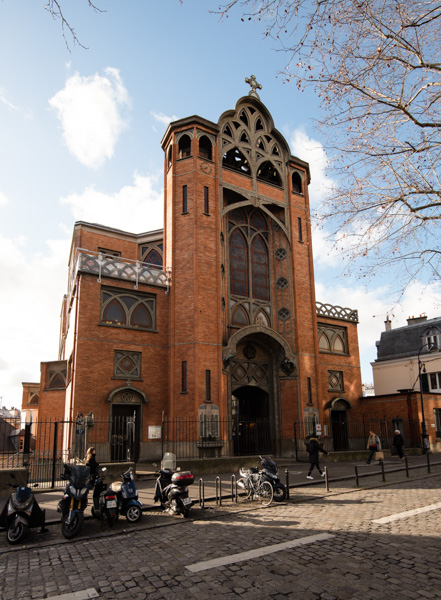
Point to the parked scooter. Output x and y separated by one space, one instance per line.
127 497
171 487
105 505
21 512
74 501
270 473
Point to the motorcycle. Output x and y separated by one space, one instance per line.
269 473
127 497
21 512
74 501
171 487
105 505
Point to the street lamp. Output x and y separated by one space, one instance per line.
425 445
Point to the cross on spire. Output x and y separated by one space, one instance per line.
254 86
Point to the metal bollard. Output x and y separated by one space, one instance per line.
233 488
382 469
428 462
357 480
287 483
407 466
326 479
201 493
218 491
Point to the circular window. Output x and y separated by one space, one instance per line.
280 253
281 283
284 314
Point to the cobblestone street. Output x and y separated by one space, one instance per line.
316 546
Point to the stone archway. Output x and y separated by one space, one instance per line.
254 360
338 412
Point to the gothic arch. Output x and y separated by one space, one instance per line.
114 395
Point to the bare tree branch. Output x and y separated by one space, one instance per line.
54 8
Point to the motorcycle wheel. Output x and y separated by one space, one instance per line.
279 492
266 494
134 514
70 530
16 532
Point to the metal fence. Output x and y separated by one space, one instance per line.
43 446
340 434
204 438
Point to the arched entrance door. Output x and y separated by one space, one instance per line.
252 426
126 423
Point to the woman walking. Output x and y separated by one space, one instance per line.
398 442
373 445
313 448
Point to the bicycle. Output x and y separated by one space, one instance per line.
255 486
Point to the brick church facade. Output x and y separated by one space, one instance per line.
213 319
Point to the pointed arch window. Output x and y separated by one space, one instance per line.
153 258
249 257
114 313
133 310
239 264
268 172
184 146
260 272
234 159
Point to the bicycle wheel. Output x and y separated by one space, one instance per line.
244 488
265 493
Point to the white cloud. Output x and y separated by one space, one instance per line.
162 118
3 199
30 332
5 101
313 152
132 207
90 111
374 305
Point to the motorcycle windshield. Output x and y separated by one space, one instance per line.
80 475
268 463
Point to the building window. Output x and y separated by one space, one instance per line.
109 253
127 309
437 419
126 364
207 385
184 146
205 147
56 376
335 380
309 390
152 254
332 339
296 183
299 224
267 172
249 260
206 201
435 382
234 159
184 199
184 377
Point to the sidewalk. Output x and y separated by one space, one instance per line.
342 473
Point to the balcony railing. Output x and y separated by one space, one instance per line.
116 267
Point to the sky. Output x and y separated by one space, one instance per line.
80 132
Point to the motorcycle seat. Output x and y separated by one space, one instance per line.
116 486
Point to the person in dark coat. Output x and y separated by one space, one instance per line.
313 448
398 442
91 462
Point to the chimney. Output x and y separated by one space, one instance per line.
388 324
415 320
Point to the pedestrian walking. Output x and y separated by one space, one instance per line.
313 448
398 442
91 462
373 445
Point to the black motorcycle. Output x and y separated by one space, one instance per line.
127 497
105 504
270 473
171 487
21 512
74 501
